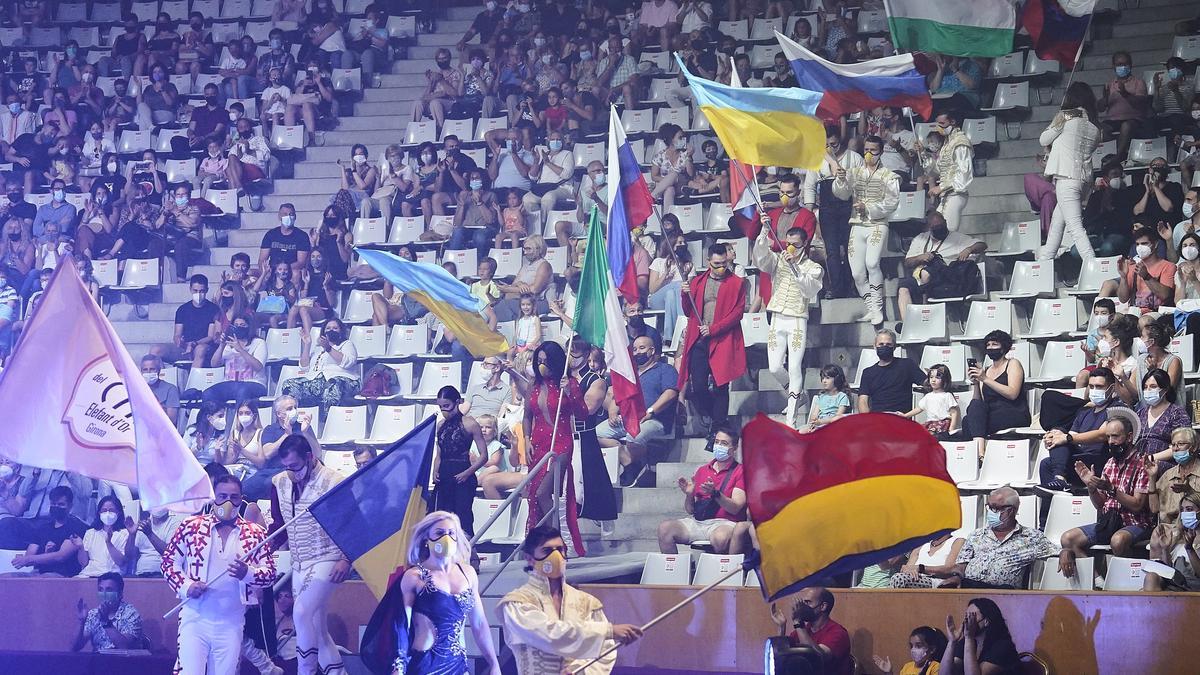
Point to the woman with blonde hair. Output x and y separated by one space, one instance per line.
1178 549
440 592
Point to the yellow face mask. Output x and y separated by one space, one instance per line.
791 249
784 199
443 546
553 566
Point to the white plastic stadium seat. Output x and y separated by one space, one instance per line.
369 231
1010 97
911 207
406 229
483 509
139 274
981 131
435 375
1068 512
984 317
924 323
283 344
1005 462
345 79
1036 67
738 30
970 515
105 272
1007 67
420 132
755 328
1030 279
1060 361
713 566
962 461
667 569
390 424
953 356
407 340
203 378
1019 239
358 307
1052 317
1047 577
679 116
369 341
764 29
287 138
1143 150
460 128
1186 47
1124 574
636 121
344 424
1094 273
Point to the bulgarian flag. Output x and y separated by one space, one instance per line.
953 27
599 321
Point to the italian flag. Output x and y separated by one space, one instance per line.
953 27
599 321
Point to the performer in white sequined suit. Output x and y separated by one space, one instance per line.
200 550
874 192
953 166
318 565
796 280
552 627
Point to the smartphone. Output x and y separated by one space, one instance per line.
972 363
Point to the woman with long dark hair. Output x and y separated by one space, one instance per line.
1072 138
550 391
456 480
981 645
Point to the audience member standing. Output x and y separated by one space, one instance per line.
1072 137
875 193
954 167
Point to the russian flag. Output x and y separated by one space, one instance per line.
629 206
1057 28
854 87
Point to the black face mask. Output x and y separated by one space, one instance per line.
334 336
1114 450
885 352
241 332
14 236
246 134
637 321
939 233
58 513
15 197
211 100
641 359
444 65
226 301
994 354
331 221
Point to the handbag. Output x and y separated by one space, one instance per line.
384 191
707 507
272 304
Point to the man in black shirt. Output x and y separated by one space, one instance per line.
285 243
56 551
196 323
484 25
209 122
18 207
887 385
30 154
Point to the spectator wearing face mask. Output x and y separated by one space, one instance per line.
1190 223
166 393
444 86
1159 204
107 546
484 25
331 366
58 211
551 173
1176 547
1146 281
15 120
1177 471
112 624
478 216
1123 486
1078 439
715 500
1173 96
929 260
1126 104
1187 280
158 103
286 419
925 646
244 356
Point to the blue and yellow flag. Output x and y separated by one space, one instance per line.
449 299
371 514
764 126
850 494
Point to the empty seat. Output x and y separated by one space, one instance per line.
465 261
391 423
105 272
369 341
1060 361
283 344
1030 279
911 207
1019 239
661 87
203 378
1011 97
1046 576
1004 463
406 229
962 460
667 569
358 307
586 153
763 56
139 274
1186 47
287 138
1094 273
1143 150
482 510
871 21
463 128
924 323
713 566
1125 574
970 515
636 121
344 424
981 131
1068 512
986 316
1052 317
755 328
764 29
738 30
1007 67
1036 67
435 375
420 132
400 27
679 116
369 231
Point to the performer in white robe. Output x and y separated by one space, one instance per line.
552 627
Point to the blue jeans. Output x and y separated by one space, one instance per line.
481 239
668 298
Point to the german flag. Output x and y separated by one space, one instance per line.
371 514
855 492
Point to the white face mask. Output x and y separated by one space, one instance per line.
1143 251
1101 320
1103 347
1139 346
1115 183
151 378
1188 209
245 420
292 415
219 423
108 518
918 655
6 472
197 298
1196 114
1190 252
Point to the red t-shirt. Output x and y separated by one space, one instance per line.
708 472
834 637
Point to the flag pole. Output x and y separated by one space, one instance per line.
512 556
245 556
1078 53
650 624
512 496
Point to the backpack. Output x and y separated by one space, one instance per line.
381 382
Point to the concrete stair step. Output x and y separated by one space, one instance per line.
986 186
308 186
393 93
667 473
368 123
144 330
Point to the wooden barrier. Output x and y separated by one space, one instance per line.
1077 634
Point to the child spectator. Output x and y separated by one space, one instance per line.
485 289
939 404
274 99
515 219
833 402
212 167
528 334
277 294
925 645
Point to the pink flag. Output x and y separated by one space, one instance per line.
74 400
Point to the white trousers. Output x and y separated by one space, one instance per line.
316 652
209 646
785 341
866 249
1067 220
952 208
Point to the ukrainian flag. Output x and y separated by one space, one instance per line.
371 514
855 492
764 126
449 299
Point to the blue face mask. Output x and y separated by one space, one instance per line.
1097 396
288 221
1122 71
1174 73
1181 456
1151 396
721 452
181 201
476 184
993 519
555 145
14 108
1190 519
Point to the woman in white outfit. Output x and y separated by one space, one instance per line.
1072 138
